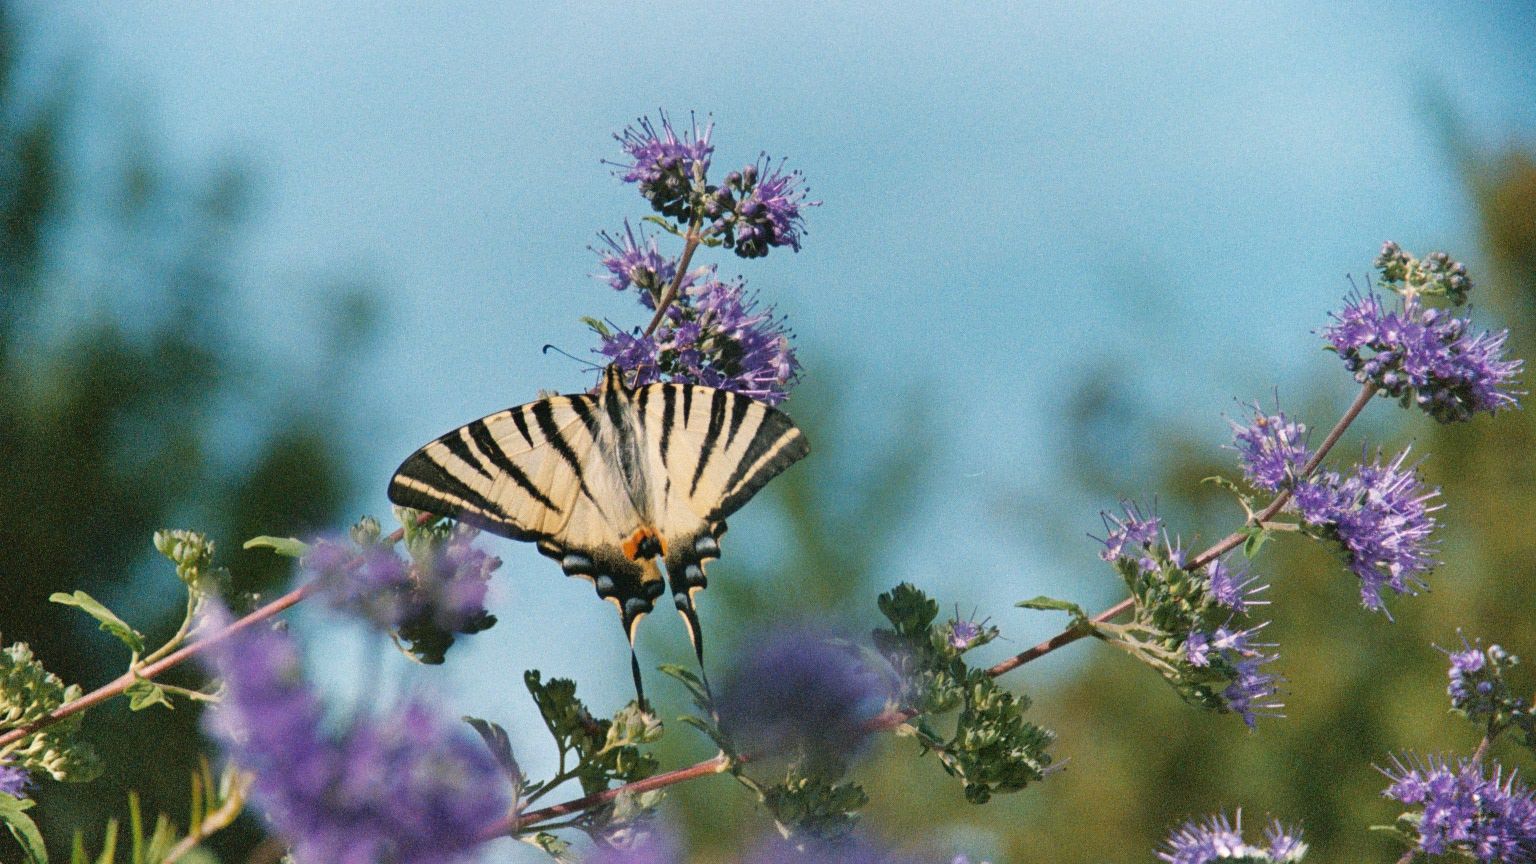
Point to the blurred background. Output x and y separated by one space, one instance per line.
253 255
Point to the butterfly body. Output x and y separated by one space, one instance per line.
607 483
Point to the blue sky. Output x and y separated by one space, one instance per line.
1015 194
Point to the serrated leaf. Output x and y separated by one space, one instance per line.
13 812
144 693
288 547
500 745
109 622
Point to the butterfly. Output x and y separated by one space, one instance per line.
607 483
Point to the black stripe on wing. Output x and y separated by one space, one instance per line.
423 484
776 444
686 577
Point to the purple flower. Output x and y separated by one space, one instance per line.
638 262
1381 517
1426 356
14 781
1234 590
648 848
402 788
1250 692
963 634
716 336
372 583
1477 688
664 164
1136 531
1273 450
443 593
1217 839
1464 810
799 690
759 207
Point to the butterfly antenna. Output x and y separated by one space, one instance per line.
548 347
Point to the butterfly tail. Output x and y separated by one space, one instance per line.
686 577
631 586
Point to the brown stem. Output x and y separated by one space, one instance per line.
120 684
690 245
1225 545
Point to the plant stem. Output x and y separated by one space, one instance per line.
1222 547
690 245
147 671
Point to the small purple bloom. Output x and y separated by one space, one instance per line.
1464 810
759 207
963 634
374 583
716 336
648 848
1381 517
637 261
14 781
404 788
1217 839
1273 450
1236 590
799 690
664 164
1425 356
1136 531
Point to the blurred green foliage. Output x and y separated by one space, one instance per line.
130 400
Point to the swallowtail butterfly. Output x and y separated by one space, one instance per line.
607 483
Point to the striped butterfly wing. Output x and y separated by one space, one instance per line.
537 472
710 451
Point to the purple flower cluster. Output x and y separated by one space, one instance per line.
403 788
1273 450
638 262
14 781
1250 692
1425 356
848 850
1478 690
1135 531
1236 590
800 691
446 591
716 336
1465 810
1217 839
664 164
1381 517
758 207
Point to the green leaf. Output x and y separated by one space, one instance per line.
597 326
663 224
109 622
13 812
1051 604
288 547
145 693
1255 542
501 747
554 847
108 844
